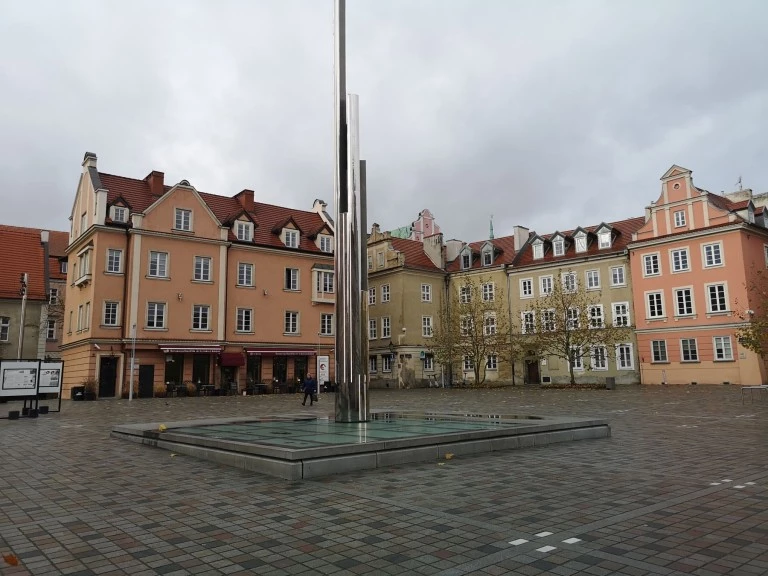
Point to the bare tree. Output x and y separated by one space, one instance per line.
753 334
474 327
570 323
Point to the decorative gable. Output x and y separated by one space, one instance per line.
675 172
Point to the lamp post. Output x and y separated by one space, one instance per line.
133 360
23 292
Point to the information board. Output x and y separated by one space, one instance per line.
50 377
19 378
323 370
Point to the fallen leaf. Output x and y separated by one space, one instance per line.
448 456
441 463
11 559
162 428
173 455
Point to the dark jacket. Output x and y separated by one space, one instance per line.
310 385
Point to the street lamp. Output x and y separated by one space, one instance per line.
23 280
133 360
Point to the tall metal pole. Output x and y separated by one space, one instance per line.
24 280
133 360
351 368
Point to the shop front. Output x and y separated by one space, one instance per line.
278 369
189 369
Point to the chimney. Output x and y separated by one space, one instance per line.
89 161
521 237
246 199
375 229
156 181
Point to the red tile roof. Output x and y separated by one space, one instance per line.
623 230
504 253
413 251
21 252
266 216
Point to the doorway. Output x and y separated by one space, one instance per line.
299 369
174 369
107 376
532 375
280 369
201 368
146 380
253 370
229 380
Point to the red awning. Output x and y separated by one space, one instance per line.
231 359
280 352
191 349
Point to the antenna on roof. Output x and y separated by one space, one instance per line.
739 183
490 235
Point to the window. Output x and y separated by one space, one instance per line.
684 302
487 257
558 246
202 268
114 261
426 292
5 325
679 218
572 319
604 238
548 320
385 293
200 317
380 259
465 294
87 315
468 364
569 282
119 214
659 351
244 231
63 266
426 326
526 288
688 350
244 274
372 364
292 238
110 313
466 260
71 312
371 296
80 317
599 358
244 320
372 330
183 219
292 279
50 332
155 315
386 331
576 359
325 282
596 317
581 243
326 243
291 322
712 255
655 306
158 264
53 296
538 250
386 363
624 358
723 350
326 324
617 276
82 224
489 292
651 265
680 260
492 362
466 325
717 298
489 325
429 363
545 285
593 279
370 262
528 322
621 313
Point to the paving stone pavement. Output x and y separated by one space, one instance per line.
681 487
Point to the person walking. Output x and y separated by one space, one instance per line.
310 389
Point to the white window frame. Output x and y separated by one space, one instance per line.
596 320
616 271
661 304
201 317
291 280
487 257
373 329
244 320
429 363
427 328
370 262
572 319
563 279
291 321
546 280
182 220
244 274
673 264
466 260
5 328
201 269
469 365
679 217
105 311
655 256
659 352
160 262
577 361
244 231
538 250
385 293
160 310
386 327
604 239
489 324
719 352
380 259
492 362
50 330
526 282
581 242
465 325
675 295
593 359
465 294
489 291
114 256
592 278
548 320
326 243
558 247
426 292
53 296
695 350
372 296
291 238
119 214
719 246
372 364
707 290
386 363
528 322
326 324
620 365
617 314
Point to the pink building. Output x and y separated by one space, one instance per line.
690 263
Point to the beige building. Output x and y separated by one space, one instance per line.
596 257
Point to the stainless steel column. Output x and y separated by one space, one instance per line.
351 241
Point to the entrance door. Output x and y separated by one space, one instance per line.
107 376
229 380
300 368
174 369
280 369
201 368
532 371
253 370
146 380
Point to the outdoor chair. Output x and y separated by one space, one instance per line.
760 388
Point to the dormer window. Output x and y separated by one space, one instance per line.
326 243
604 238
466 260
558 246
538 250
292 238
183 220
244 231
487 257
581 242
119 214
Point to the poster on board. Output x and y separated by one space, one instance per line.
50 377
19 378
323 370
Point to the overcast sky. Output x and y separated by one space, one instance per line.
549 114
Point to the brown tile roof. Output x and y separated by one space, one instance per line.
504 253
742 223
57 243
266 216
413 251
21 252
623 230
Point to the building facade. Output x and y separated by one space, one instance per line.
194 289
691 261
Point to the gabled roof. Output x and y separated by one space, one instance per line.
22 252
413 251
623 230
504 247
